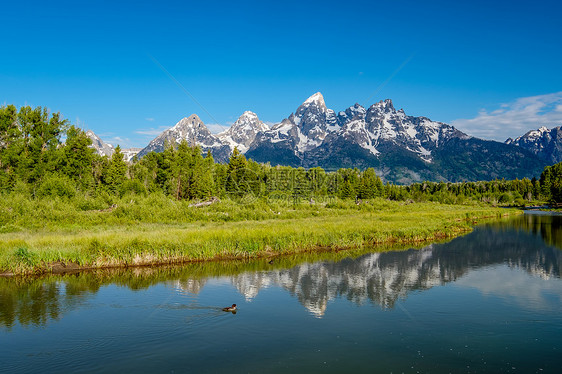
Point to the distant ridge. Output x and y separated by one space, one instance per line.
401 148
544 143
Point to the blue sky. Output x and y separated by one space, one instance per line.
490 68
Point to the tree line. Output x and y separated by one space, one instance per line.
42 155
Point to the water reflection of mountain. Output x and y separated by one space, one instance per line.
383 278
314 279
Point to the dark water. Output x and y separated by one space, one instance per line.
488 302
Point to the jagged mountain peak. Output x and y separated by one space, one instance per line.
532 135
384 106
316 98
248 114
105 149
102 148
248 120
193 121
353 113
243 132
314 104
193 130
543 142
402 148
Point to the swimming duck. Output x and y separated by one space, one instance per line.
230 308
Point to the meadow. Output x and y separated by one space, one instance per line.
45 234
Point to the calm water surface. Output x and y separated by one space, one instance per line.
487 302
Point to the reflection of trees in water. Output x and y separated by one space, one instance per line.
30 305
548 226
380 278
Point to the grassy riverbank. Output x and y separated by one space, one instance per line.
142 231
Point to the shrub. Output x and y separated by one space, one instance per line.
132 186
56 185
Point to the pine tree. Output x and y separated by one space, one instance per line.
236 174
116 171
369 184
77 157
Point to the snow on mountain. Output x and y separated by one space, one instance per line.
401 148
313 125
303 130
102 148
243 132
129 153
105 149
194 131
543 142
419 135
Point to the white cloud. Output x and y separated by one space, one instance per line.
114 140
152 131
150 119
515 118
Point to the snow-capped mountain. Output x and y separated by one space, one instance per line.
129 153
105 149
400 147
313 125
243 132
382 126
194 131
301 132
543 142
102 148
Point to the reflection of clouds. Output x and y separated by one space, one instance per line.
529 291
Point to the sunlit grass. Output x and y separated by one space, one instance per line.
157 229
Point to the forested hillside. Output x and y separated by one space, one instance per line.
42 155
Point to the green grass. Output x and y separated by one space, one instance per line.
156 229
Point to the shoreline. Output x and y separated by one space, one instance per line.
62 268
152 246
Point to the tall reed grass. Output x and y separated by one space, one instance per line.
135 230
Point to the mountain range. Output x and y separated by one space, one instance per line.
401 148
545 143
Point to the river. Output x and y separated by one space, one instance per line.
486 302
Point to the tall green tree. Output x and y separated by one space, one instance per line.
236 174
77 157
116 171
370 185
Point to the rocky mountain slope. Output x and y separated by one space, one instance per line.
544 143
243 132
401 148
105 149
